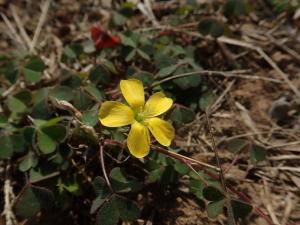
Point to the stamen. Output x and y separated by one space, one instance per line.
139 115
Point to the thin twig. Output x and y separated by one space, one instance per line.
267 202
245 198
244 44
41 22
9 197
215 73
20 26
183 158
236 157
11 89
101 150
219 99
200 177
12 33
174 155
285 48
266 57
221 173
146 9
284 144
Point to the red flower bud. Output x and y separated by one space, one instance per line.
102 38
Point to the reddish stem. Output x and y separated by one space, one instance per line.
241 195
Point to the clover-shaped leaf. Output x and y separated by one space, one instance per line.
33 69
33 200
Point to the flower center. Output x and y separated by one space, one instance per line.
139 115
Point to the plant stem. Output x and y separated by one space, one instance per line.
221 174
101 157
190 162
183 158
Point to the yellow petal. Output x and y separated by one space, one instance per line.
162 130
138 141
115 114
157 104
133 92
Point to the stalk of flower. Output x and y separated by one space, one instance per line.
140 115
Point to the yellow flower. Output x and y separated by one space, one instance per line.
141 117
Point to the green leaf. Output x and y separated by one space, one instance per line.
35 174
35 64
215 208
235 7
182 115
6 147
166 71
100 187
240 209
162 60
211 26
187 82
128 210
143 54
40 109
181 168
94 91
82 101
88 47
280 5
178 50
71 185
47 123
109 66
257 153
3 121
10 144
231 220
40 95
154 175
96 204
62 93
29 134
237 145
146 77
196 186
33 200
118 135
206 100
73 51
119 19
10 70
99 74
211 193
56 132
60 159
130 56
108 214
18 142
28 162
41 171
118 174
90 117
128 41
24 96
46 144
121 183
15 105
33 69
